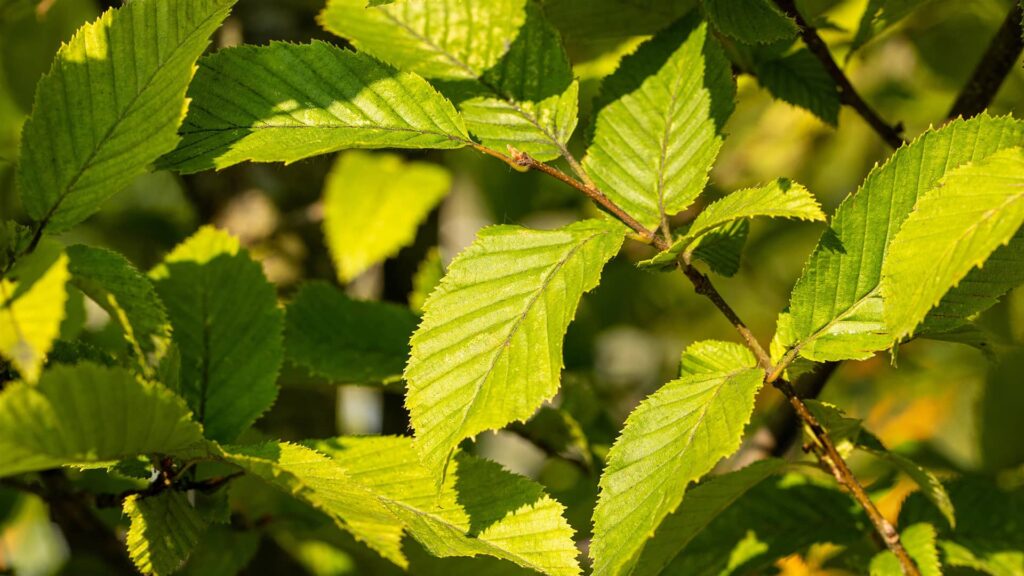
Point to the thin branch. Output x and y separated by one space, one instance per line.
847 94
826 451
995 64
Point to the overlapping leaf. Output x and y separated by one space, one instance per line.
699 509
750 21
781 198
798 78
164 529
32 309
836 306
373 205
228 328
953 229
112 282
659 122
671 439
285 102
489 349
500 61
377 489
347 340
85 414
713 356
111 105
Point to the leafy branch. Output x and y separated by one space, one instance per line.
824 448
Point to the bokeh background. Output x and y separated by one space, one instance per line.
942 403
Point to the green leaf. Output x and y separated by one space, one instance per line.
87 413
222 550
881 15
489 349
773 519
919 541
750 21
428 276
782 198
714 356
953 229
702 505
164 530
373 204
722 248
377 489
111 105
671 439
347 340
480 509
836 306
659 122
31 310
501 62
988 537
228 328
126 294
798 78
285 102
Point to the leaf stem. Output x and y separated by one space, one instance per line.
847 94
992 69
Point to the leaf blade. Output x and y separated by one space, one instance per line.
671 439
285 102
654 161
522 286
112 125
228 328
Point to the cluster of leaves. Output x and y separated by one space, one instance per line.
930 240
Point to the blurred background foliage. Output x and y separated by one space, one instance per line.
946 405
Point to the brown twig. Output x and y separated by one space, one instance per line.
992 69
847 94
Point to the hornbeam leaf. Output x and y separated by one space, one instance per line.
800 79
32 309
377 489
953 229
671 439
285 102
164 529
659 122
480 509
750 21
920 543
489 349
111 105
373 204
86 414
836 309
781 198
347 340
712 356
500 61
699 509
228 328
126 294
